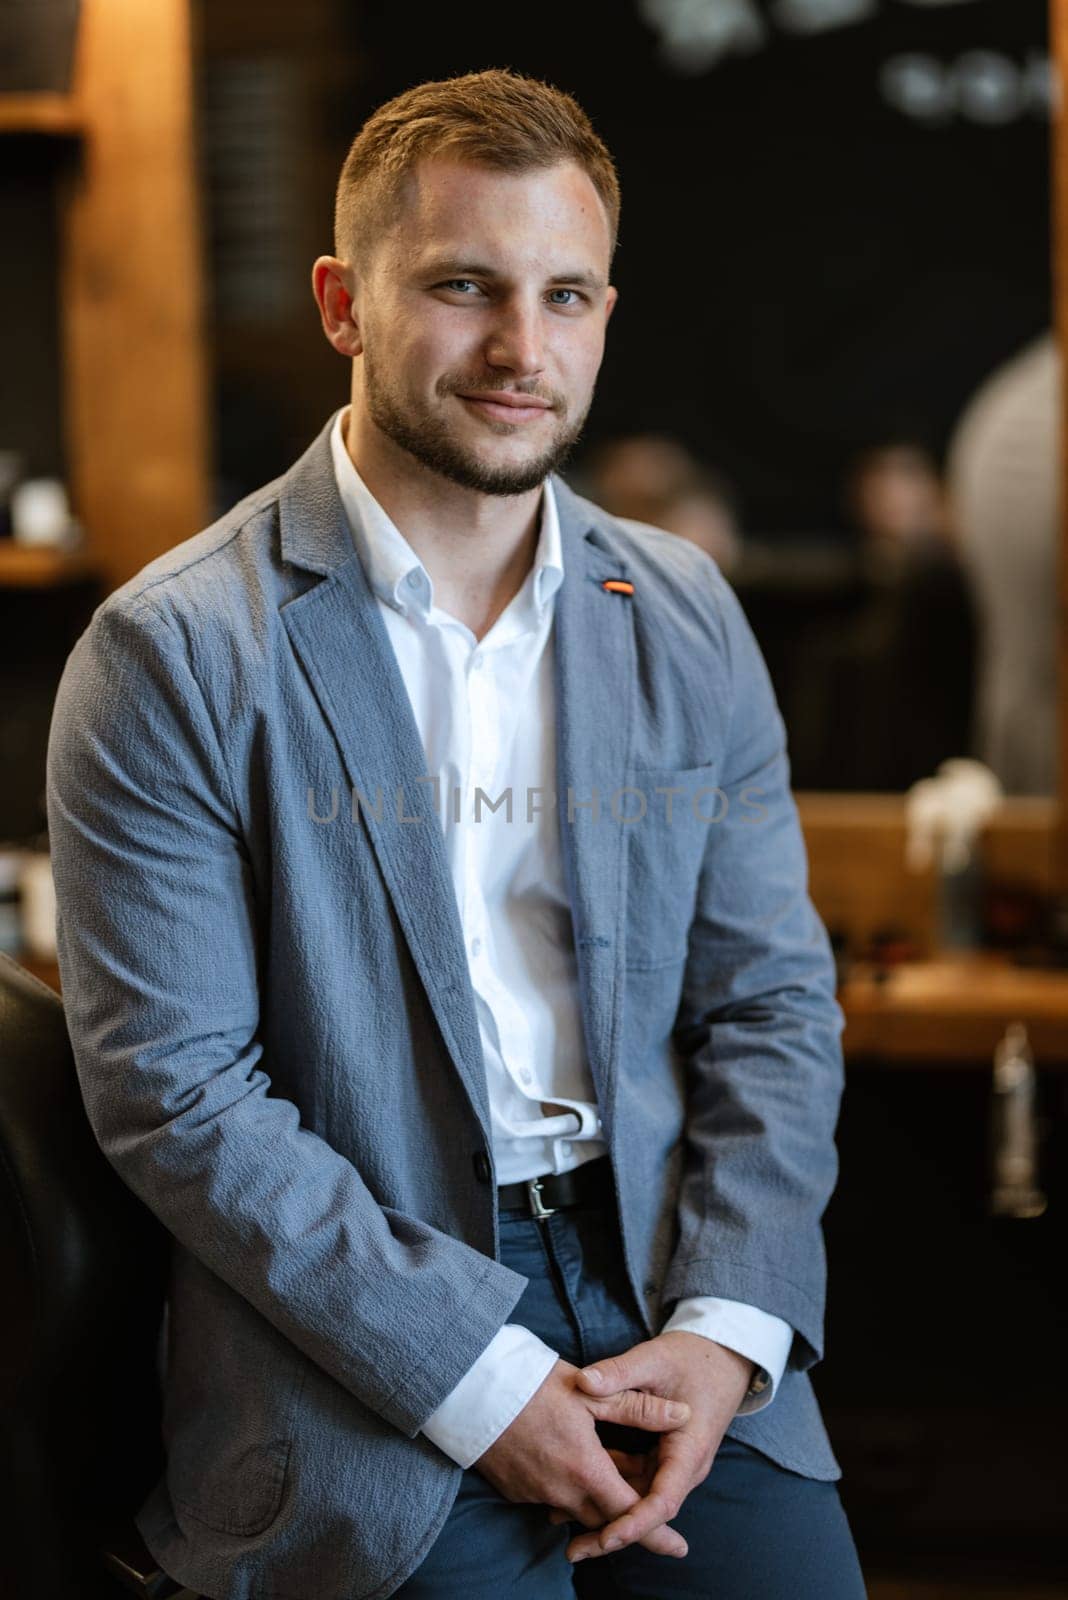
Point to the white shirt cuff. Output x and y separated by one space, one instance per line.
491 1394
749 1332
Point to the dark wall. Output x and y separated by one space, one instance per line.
942 1322
30 394
37 628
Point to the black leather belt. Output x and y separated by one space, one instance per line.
556 1191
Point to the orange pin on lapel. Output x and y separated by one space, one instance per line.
617 586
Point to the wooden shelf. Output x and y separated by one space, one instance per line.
954 1009
27 567
53 115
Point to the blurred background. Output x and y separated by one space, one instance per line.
834 367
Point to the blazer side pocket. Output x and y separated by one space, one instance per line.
233 1385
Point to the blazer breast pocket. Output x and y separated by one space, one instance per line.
665 847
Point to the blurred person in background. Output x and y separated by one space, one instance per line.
891 687
653 479
896 503
1004 471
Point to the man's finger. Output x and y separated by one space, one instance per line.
639 1365
637 1470
672 1482
607 1497
637 1409
662 1541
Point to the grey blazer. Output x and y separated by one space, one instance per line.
276 1039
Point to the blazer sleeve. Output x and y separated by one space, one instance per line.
759 1031
158 960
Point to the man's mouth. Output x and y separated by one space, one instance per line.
505 405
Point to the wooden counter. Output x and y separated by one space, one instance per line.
953 1009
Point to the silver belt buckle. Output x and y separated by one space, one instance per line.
537 1209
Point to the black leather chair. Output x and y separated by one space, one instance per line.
82 1277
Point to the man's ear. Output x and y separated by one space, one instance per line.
333 285
610 298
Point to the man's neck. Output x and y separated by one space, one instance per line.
477 548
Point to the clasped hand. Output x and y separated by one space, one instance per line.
681 1386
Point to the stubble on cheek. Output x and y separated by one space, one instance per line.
429 428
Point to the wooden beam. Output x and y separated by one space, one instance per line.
131 282
1059 34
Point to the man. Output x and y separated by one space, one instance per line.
485 1120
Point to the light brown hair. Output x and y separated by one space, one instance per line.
497 119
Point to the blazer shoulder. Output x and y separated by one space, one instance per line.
673 561
216 595
679 584
669 554
196 576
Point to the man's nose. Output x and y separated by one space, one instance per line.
516 340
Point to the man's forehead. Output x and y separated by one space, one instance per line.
437 185
452 214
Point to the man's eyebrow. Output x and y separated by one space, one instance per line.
587 280
448 267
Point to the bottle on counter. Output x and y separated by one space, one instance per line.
10 910
1013 1129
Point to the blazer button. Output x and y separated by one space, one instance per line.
483 1169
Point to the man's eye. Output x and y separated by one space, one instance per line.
459 284
574 300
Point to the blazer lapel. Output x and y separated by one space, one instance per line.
340 638
595 679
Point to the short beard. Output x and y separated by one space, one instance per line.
427 438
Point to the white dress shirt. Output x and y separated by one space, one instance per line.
493 777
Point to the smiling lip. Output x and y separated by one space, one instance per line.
506 405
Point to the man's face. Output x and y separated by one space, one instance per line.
482 317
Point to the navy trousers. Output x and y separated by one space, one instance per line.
755 1531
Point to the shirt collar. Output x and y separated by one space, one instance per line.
393 569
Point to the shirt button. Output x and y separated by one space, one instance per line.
476 946
525 1076
481 1163
476 663
565 1148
